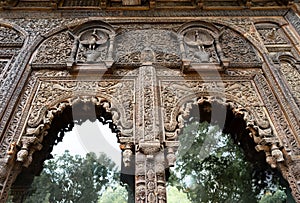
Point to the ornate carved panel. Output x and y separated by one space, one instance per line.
164 44
292 77
242 93
10 37
11 41
271 35
238 50
2 66
55 51
51 93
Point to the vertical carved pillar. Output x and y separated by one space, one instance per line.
150 156
148 121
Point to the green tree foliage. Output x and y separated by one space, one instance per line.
278 197
117 194
176 196
212 168
73 179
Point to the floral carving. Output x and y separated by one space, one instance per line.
271 36
50 92
292 77
174 92
54 51
129 46
238 50
2 66
10 37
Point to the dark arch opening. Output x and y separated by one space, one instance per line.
235 126
64 122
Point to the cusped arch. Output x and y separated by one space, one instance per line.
32 138
258 125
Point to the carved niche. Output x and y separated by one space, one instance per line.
93 43
205 45
198 44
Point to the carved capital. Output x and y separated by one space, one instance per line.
149 147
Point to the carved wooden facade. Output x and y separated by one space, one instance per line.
147 69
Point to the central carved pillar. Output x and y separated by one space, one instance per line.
150 158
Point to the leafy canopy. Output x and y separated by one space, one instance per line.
212 168
74 179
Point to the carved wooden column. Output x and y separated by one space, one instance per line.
150 157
